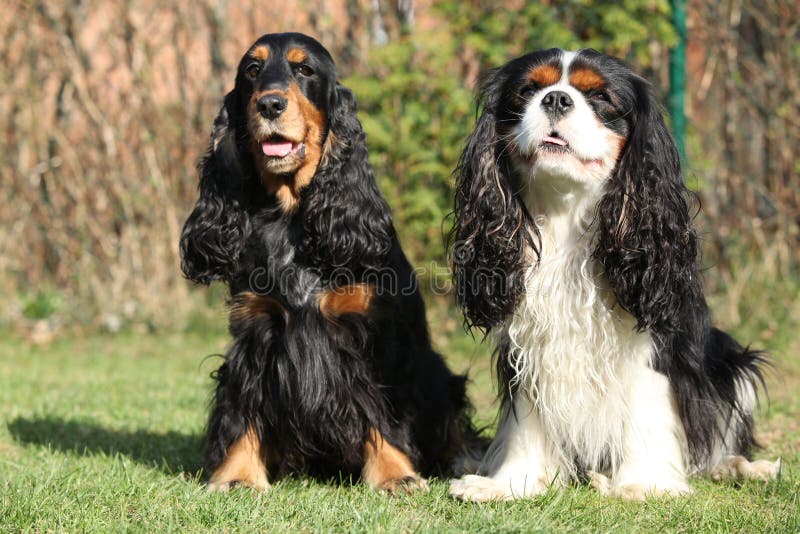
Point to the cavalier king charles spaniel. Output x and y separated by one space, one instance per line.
331 370
574 245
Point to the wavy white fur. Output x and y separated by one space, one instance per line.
584 387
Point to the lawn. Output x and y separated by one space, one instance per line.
104 433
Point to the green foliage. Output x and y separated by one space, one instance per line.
416 93
416 112
42 304
623 29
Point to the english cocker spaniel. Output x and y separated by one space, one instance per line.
331 370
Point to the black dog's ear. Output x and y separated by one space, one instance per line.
646 240
214 234
493 232
347 222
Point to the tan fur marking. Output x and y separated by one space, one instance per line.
586 80
620 143
248 305
244 463
296 55
301 121
354 298
260 52
544 75
387 468
314 120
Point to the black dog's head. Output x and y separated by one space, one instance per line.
288 138
573 120
285 84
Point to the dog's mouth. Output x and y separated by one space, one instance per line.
279 147
553 142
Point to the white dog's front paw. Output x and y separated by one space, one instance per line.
480 489
635 491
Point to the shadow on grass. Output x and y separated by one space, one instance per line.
171 452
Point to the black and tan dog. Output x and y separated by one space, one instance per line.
331 369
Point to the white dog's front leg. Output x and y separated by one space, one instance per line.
653 462
517 464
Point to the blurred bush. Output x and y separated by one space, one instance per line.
416 93
106 107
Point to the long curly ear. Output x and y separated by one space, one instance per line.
646 240
214 233
347 222
493 235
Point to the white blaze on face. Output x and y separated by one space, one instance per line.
576 144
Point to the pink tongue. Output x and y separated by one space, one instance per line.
555 141
276 149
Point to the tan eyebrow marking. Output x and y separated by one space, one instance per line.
586 79
544 75
296 55
260 52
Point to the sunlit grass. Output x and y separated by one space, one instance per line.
104 433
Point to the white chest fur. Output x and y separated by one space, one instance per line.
576 354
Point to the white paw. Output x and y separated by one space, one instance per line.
738 467
599 482
480 489
638 491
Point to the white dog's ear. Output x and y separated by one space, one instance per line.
493 231
646 241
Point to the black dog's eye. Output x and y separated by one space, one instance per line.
252 70
304 70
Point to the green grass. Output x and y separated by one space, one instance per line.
104 433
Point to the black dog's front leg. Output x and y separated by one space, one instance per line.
235 453
236 449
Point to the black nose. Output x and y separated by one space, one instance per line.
271 106
557 103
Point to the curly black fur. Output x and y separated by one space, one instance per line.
214 233
493 234
310 385
646 241
648 247
343 207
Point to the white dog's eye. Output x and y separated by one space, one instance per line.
599 96
528 91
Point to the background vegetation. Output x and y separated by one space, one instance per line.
104 111
106 107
